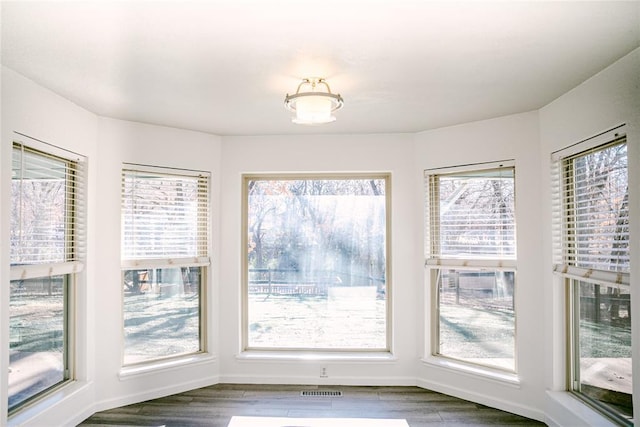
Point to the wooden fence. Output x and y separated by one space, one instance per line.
280 281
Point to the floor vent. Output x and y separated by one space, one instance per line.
321 393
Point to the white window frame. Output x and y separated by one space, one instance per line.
199 259
287 352
73 262
435 262
568 274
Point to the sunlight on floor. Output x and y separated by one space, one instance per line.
315 422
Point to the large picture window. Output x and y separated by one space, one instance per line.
46 252
592 215
165 221
316 262
471 256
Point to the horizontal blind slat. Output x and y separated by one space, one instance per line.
497 264
602 277
165 263
25 272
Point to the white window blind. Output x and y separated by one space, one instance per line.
165 214
592 200
471 214
47 212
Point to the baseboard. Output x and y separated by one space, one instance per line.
503 405
80 417
307 380
154 393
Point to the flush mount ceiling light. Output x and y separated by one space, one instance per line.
313 103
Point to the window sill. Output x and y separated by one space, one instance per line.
302 356
578 409
34 410
502 377
129 372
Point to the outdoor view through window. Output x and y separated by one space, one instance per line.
164 259
45 248
316 266
596 267
472 256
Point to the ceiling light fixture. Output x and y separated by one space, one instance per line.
313 102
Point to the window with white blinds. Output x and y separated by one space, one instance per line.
471 213
164 214
471 254
591 255
47 213
164 226
594 197
47 223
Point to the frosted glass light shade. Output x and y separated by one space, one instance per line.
315 106
313 110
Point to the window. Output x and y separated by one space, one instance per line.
471 255
46 253
315 273
165 217
592 214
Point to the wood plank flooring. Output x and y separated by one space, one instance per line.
215 405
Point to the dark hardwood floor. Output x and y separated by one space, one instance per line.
215 405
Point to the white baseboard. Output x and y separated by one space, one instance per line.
307 380
503 405
154 393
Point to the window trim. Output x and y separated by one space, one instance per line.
569 275
590 143
71 268
571 285
434 262
303 353
201 260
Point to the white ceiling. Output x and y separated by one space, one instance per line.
225 66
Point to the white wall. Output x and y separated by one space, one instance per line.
118 142
506 138
608 99
362 153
